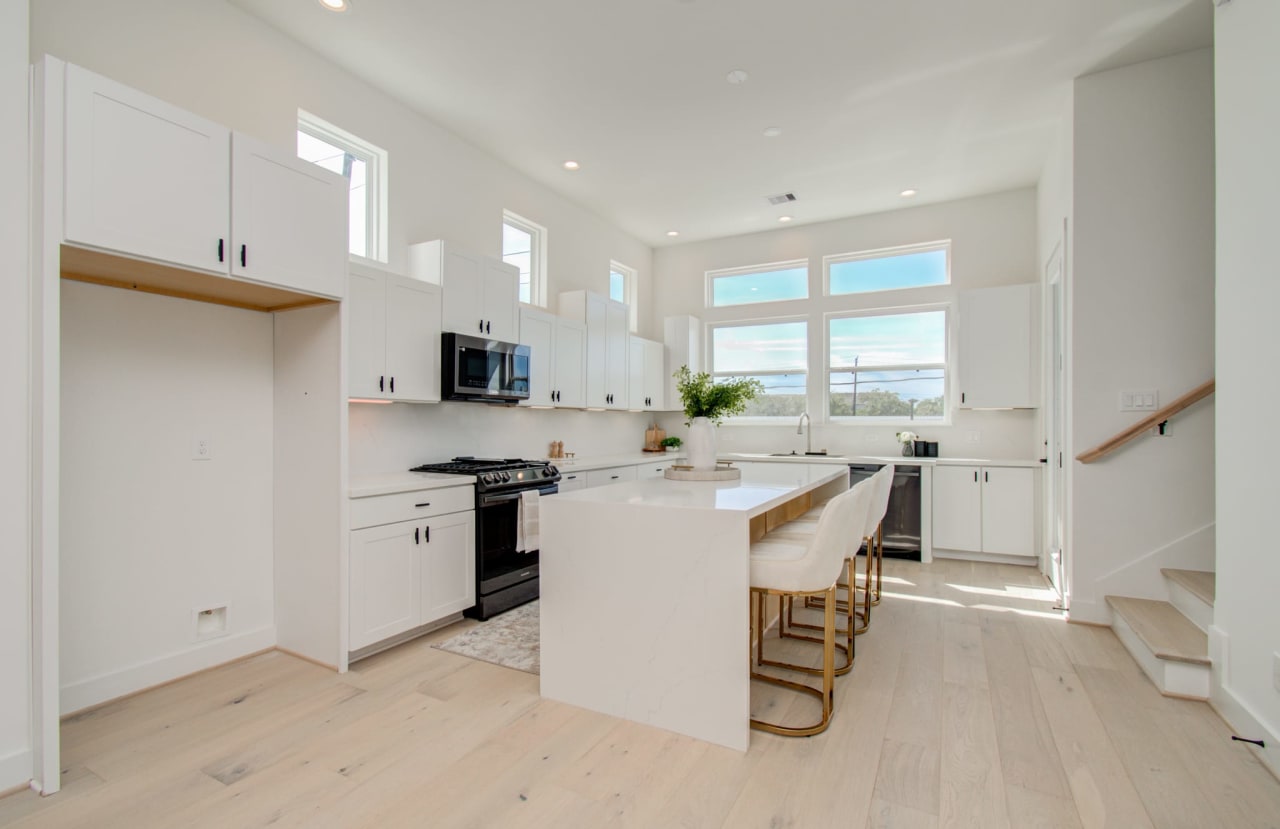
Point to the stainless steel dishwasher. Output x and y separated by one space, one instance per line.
902 520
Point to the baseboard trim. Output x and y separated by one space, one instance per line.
304 658
987 558
95 691
15 772
1234 712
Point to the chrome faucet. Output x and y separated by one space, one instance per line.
808 440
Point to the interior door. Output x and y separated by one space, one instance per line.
1056 566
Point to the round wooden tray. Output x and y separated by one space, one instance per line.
676 472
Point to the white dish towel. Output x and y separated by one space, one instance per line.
527 540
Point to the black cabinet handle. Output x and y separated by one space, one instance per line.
986 477
488 327
427 535
381 380
961 397
220 243
481 326
243 255
415 535
613 477
427 504
975 476
572 478
393 385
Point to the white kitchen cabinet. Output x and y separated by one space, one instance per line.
393 344
288 220
645 376
150 181
607 340
657 469
682 336
572 481
557 359
480 294
414 570
984 509
384 583
997 359
610 475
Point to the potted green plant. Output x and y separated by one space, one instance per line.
671 443
706 404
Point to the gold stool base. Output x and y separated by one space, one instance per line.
827 692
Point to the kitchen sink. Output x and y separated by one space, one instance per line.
795 454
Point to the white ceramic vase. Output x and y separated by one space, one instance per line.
701 444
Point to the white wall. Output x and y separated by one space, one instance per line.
215 60
1246 630
1141 318
15 436
993 243
148 535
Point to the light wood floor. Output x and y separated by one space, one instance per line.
971 704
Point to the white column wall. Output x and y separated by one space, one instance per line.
15 435
1141 318
1245 636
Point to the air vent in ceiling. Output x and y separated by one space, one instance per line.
782 198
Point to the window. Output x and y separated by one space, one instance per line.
524 244
362 164
889 269
888 365
775 353
759 283
622 288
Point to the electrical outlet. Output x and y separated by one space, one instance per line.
201 449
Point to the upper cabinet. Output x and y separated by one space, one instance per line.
996 363
557 359
147 180
683 336
607 340
646 376
481 294
393 344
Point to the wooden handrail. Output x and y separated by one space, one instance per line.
1103 449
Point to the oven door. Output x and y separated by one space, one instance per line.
498 565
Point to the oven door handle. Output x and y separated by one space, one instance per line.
490 500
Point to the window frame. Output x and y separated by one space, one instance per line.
719 273
630 291
710 351
884 253
537 255
376 163
889 311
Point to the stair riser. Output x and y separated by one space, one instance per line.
1190 605
1179 679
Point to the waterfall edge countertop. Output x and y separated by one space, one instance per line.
644 596
763 486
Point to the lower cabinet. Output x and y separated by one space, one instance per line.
409 573
652 470
610 475
984 509
572 481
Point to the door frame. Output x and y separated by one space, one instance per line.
1056 560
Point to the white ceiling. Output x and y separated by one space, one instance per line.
950 97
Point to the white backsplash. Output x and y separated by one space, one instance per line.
391 438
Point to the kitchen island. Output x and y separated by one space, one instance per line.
645 594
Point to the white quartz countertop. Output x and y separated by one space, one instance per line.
604 461
763 486
881 459
393 482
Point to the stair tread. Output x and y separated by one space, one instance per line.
1166 632
1201 584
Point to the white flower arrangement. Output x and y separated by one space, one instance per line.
906 437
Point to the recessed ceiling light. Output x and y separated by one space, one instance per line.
784 218
571 165
673 233
773 132
736 77
334 5
908 193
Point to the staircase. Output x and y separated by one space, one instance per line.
1169 639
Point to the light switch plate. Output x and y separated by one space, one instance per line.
1139 400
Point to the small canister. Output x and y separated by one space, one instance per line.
931 449
920 447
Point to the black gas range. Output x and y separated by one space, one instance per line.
505 577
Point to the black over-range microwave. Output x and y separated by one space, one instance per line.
490 371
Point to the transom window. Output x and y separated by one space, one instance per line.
524 245
775 353
759 283
889 269
364 166
622 288
888 365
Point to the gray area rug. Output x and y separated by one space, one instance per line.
509 640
